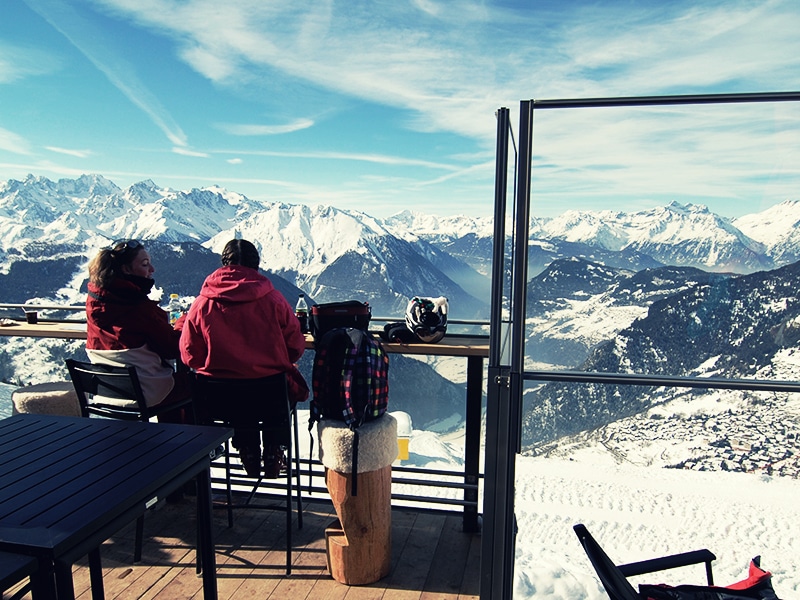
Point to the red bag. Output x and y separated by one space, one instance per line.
757 586
332 315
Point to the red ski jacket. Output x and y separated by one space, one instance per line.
240 327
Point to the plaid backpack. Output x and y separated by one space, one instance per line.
350 381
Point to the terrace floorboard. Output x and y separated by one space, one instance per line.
431 558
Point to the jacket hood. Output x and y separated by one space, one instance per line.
236 283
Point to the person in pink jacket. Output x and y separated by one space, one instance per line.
241 327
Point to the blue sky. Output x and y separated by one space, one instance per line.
387 105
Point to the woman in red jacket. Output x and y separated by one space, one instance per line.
241 327
125 327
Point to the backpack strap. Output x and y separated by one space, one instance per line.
354 481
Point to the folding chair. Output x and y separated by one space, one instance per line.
115 393
614 577
262 405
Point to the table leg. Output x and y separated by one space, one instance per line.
472 450
64 587
96 575
43 581
206 541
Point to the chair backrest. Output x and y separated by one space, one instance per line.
108 391
262 402
615 583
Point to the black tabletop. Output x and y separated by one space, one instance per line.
67 483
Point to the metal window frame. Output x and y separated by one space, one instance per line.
506 374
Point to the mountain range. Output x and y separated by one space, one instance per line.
606 290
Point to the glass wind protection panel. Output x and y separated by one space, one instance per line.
663 241
663 254
696 470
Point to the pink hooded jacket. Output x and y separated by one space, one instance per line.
241 327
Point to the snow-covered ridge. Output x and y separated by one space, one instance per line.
91 206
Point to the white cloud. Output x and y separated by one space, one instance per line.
13 142
253 129
76 153
17 62
350 156
187 152
452 67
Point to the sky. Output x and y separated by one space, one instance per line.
390 105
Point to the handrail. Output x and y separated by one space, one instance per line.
763 385
449 320
24 305
78 308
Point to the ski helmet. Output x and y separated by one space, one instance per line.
427 318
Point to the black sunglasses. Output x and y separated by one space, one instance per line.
120 248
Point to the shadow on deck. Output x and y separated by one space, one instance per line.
431 558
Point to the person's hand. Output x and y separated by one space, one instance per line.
178 326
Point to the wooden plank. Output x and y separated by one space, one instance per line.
309 564
124 579
471 583
408 579
255 533
268 559
251 560
447 566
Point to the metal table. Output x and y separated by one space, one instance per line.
69 483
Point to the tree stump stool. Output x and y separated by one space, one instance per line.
359 543
51 398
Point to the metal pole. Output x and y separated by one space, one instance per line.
493 535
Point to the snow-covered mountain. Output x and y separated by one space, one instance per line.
331 254
777 228
705 325
575 305
303 242
593 276
683 235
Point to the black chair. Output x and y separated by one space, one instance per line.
14 568
614 577
115 393
261 405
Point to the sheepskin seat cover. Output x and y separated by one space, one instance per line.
377 444
51 398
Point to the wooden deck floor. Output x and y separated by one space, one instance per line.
431 558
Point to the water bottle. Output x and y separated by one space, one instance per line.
301 310
174 308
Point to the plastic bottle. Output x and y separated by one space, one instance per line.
174 308
301 310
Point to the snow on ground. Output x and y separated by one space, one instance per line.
642 512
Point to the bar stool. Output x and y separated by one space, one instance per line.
261 405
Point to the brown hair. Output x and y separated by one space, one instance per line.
240 252
108 263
